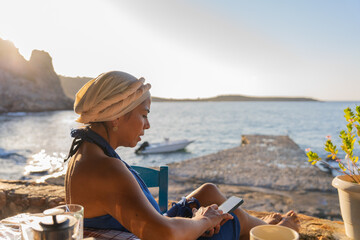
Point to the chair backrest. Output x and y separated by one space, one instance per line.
156 178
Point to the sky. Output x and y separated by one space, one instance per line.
199 48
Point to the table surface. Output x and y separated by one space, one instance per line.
10 228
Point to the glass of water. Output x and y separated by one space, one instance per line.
76 211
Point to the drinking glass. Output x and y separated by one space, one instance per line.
76 211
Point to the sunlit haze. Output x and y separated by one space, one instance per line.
199 48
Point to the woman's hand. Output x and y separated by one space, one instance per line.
215 216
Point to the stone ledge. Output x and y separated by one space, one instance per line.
25 196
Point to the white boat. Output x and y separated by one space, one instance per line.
331 166
162 147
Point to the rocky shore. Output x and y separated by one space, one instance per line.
270 173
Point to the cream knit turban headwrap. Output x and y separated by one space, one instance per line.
109 96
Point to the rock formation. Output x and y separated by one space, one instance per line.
29 85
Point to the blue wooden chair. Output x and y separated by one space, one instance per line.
156 178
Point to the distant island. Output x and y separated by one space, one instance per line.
72 84
234 98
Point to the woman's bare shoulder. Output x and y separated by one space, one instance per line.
94 178
108 168
91 165
104 166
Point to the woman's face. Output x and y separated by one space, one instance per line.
132 125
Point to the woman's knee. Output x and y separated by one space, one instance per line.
207 194
210 190
209 187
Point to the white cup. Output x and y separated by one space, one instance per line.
76 211
273 232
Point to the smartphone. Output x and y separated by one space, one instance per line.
231 204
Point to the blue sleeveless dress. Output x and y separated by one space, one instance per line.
230 230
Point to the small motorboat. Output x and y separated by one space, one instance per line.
331 166
162 147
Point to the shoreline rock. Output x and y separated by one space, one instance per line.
274 162
270 173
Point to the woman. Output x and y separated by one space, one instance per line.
114 107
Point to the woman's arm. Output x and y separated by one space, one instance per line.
121 196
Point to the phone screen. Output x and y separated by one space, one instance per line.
231 204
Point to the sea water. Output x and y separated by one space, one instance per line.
38 142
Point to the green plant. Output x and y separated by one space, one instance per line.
348 139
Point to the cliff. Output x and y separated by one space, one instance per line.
29 85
